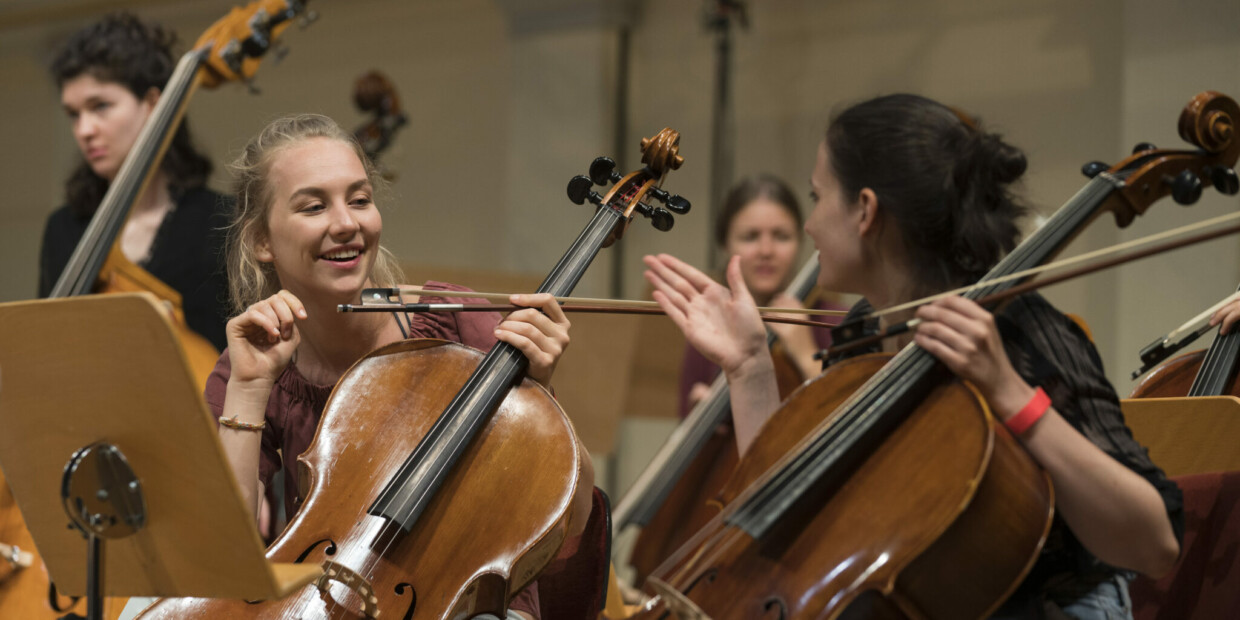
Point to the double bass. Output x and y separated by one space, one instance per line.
440 482
885 488
230 50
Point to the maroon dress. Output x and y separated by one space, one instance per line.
296 404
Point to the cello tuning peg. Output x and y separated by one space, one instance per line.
1093 169
579 190
1225 180
602 170
677 204
1186 187
1142 147
660 218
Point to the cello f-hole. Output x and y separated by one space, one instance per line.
777 606
413 598
330 550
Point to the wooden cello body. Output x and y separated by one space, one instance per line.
477 545
693 500
949 488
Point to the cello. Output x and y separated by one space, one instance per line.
1209 372
462 433
669 498
229 50
886 489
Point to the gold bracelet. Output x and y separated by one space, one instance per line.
237 425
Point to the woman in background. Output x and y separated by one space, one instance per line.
110 75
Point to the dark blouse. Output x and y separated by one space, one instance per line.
1050 350
296 404
186 254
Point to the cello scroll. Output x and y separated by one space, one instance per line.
1208 121
660 154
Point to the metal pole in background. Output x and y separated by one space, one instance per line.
719 15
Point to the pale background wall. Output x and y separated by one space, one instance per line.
508 99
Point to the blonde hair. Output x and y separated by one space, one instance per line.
249 279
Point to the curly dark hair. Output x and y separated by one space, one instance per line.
123 50
941 177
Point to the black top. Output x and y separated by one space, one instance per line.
1049 350
186 254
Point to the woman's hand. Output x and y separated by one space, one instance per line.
1227 317
720 323
261 340
725 327
541 336
963 336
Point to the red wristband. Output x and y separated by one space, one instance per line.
1029 414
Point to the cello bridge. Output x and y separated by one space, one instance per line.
339 573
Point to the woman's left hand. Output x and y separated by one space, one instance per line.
963 336
541 336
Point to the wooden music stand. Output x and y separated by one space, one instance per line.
1189 435
82 370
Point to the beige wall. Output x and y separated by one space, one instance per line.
509 99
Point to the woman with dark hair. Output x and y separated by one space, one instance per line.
912 198
761 223
110 75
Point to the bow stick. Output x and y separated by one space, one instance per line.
1020 289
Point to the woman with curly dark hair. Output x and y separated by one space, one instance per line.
110 75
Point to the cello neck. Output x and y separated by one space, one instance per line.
143 160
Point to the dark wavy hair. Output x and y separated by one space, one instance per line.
750 189
123 50
941 178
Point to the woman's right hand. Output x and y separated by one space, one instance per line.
1226 317
261 340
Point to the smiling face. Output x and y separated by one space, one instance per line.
106 119
323 226
765 236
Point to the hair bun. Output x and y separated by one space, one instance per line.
1009 161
